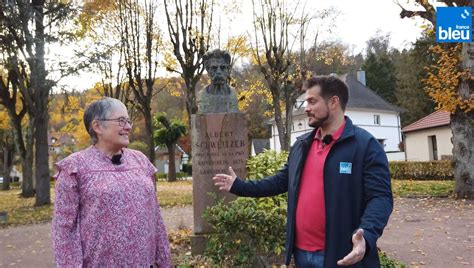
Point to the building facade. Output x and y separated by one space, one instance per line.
366 110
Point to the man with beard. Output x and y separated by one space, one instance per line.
338 183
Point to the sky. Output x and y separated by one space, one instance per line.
361 19
357 22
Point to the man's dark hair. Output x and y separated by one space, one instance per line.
330 86
217 53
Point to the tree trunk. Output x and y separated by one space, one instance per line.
24 148
41 159
27 187
191 102
172 163
7 166
149 137
284 146
41 106
462 126
463 154
288 127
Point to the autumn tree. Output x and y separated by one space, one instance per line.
13 82
254 99
100 30
7 149
450 82
189 26
332 57
67 120
168 133
128 33
277 62
23 33
142 41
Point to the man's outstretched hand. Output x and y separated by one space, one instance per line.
224 181
358 249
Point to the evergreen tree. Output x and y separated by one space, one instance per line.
379 67
410 93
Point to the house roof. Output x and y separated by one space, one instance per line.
360 96
163 149
437 119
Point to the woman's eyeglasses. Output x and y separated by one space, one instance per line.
121 120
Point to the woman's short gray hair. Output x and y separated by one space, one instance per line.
99 109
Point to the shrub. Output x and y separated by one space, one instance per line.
266 164
421 170
161 176
245 228
181 175
188 168
387 262
248 227
139 146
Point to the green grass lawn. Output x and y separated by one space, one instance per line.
22 210
178 193
411 188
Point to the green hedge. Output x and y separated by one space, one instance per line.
164 176
422 170
245 228
248 227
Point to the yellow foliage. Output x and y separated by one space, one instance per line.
66 116
444 79
237 47
247 96
170 62
4 120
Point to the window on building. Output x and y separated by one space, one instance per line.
376 119
433 147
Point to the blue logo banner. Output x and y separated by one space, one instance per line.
454 24
345 168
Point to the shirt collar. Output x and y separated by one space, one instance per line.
335 136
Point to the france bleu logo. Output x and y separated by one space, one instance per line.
345 168
454 24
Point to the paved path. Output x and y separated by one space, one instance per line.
435 232
431 232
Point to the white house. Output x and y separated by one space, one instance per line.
162 158
366 110
429 138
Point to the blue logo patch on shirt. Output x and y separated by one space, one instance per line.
345 168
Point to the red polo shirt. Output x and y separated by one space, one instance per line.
310 209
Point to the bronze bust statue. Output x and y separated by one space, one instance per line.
218 97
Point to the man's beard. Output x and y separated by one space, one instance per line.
318 122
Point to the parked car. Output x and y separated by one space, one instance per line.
1 179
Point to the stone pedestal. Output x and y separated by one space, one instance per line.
218 141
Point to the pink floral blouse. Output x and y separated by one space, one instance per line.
107 215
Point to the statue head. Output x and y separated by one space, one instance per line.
217 64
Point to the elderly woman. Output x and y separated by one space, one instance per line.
106 213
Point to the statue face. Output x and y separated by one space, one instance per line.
218 70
